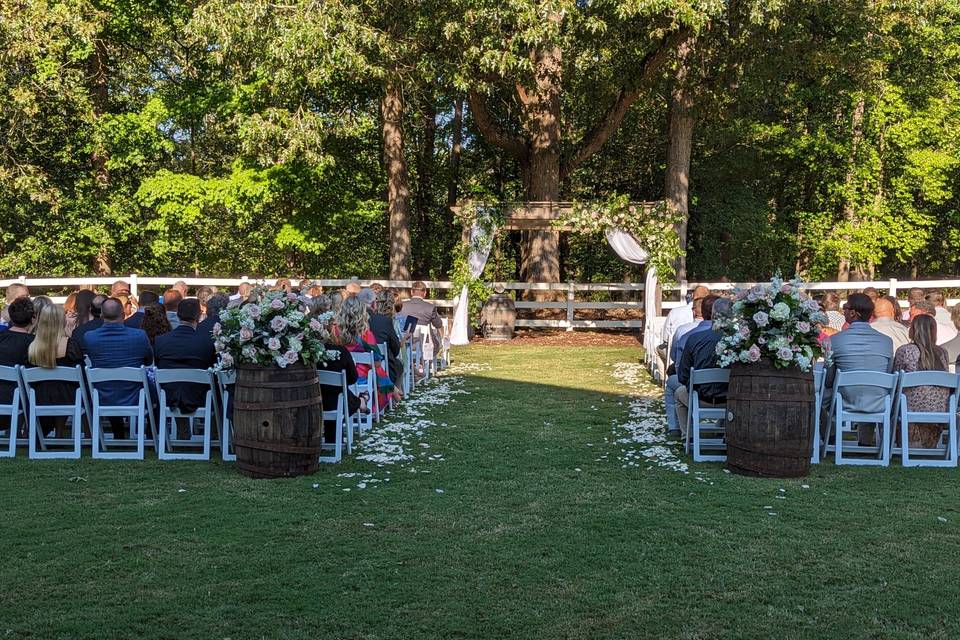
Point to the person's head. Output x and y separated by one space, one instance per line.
351 289
148 297
97 304
915 295
155 321
386 303
858 308
119 288
39 302
895 305
367 296
419 289
706 306
872 293
937 299
319 304
188 311
129 305
923 333
204 294
352 320
70 304
21 313
335 299
922 308
180 286
830 302
171 299
283 284
47 335
16 290
883 309
84 306
111 311
314 290
721 308
698 308
244 290
377 287
217 303
700 291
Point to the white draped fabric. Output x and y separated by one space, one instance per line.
626 246
480 244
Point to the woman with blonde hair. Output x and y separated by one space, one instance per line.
351 329
52 348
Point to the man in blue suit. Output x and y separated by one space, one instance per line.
859 348
115 345
185 348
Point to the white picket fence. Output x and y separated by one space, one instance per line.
573 293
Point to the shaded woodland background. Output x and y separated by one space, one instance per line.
328 138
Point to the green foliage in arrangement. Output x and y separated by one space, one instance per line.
244 136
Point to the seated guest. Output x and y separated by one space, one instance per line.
351 289
95 323
185 348
703 311
922 308
39 303
114 345
923 354
858 348
681 315
243 292
897 310
915 295
180 287
155 322
945 329
678 336
204 293
425 312
171 301
77 309
52 348
14 291
352 331
830 304
215 304
952 347
119 288
70 313
382 327
872 293
146 298
700 352
885 320
15 342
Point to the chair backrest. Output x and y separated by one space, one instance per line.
9 374
227 376
331 378
119 374
39 374
819 374
929 379
362 357
197 376
878 379
709 376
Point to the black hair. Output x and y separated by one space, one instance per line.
21 312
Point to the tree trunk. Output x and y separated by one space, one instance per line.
679 149
849 205
423 202
100 99
453 185
398 188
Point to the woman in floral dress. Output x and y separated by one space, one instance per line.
923 354
352 330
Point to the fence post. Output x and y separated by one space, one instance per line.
23 280
133 285
683 291
893 287
570 296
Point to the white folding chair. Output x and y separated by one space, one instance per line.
444 360
945 451
386 366
367 384
427 350
845 422
14 411
168 441
819 377
337 379
224 380
705 420
38 445
137 413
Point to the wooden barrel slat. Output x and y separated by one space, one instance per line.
277 421
769 427
498 317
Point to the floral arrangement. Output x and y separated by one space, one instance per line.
776 321
275 329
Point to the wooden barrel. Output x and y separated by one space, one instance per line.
277 419
498 317
769 427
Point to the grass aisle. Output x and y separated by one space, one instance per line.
522 517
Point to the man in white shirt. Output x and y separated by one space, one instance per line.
884 321
945 329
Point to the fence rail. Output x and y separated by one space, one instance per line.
571 290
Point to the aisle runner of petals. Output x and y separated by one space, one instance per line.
398 440
643 437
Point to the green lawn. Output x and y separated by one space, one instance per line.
540 532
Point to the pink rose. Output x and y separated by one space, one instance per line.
291 356
273 344
254 311
753 354
279 323
291 296
315 325
786 288
277 303
245 334
226 360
